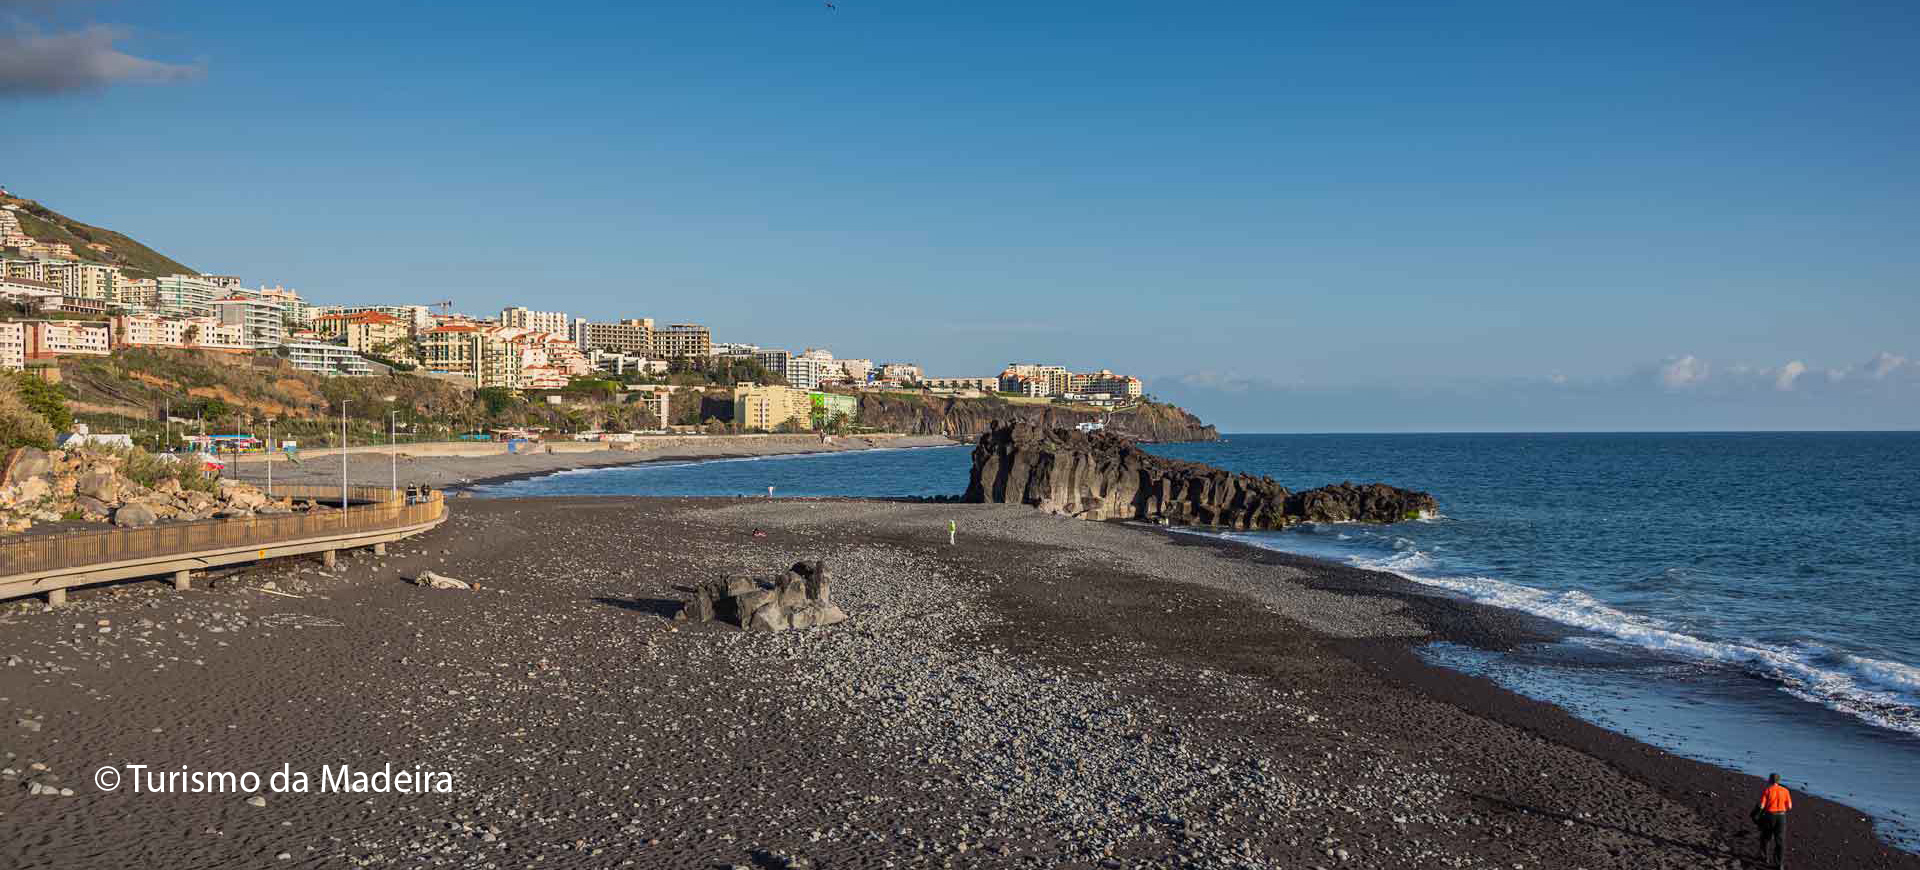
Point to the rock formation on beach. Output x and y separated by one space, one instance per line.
1101 476
799 598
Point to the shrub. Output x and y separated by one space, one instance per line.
45 399
148 469
20 426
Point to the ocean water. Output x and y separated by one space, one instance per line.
1751 600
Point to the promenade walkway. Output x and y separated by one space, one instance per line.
52 563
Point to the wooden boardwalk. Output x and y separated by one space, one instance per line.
50 564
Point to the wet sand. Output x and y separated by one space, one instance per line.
1048 693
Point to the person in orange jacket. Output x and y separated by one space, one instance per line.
1771 815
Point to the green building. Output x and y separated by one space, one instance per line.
826 406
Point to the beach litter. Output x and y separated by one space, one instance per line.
440 581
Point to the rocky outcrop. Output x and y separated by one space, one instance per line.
1101 476
922 414
101 486
800 598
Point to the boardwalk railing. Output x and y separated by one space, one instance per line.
380 512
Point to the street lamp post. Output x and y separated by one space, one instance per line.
343 462
269 456
393 454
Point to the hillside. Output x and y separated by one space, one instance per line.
920 414
93 244
132 388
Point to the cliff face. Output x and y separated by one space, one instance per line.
964 418
1100 476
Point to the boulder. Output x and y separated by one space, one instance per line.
796 599
1102 476
134 515
28 462
99 482
770 617
31 490
92 507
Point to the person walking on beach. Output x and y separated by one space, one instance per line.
1771 816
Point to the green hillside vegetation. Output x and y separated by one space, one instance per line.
133 390
133 258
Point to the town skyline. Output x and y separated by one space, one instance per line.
1286 218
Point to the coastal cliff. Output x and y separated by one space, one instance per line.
920 414
1101 476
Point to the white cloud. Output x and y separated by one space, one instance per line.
34 64
1883 364
1788 373
1682 372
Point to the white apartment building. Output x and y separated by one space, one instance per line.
293 309
74 278
152 330
46 339
34 294
325 359
13 345
806 373
261 321
554 322
186 295
136 294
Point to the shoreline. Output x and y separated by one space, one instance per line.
1825 823
693 458
1049 691
455 468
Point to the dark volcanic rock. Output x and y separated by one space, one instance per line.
1101 476
800 598
917 414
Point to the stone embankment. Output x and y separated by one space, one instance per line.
121 487
1101 476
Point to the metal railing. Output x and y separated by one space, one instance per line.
33 554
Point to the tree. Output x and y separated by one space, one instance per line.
498 400
191 337
44 399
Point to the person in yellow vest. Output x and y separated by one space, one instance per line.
1771 815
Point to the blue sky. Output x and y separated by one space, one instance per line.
1288 216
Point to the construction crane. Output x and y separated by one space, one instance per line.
445 305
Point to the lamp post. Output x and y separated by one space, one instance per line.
269 456
393 450
343 462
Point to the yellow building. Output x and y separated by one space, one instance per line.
369 332
765 408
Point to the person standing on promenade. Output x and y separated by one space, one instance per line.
1771 815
